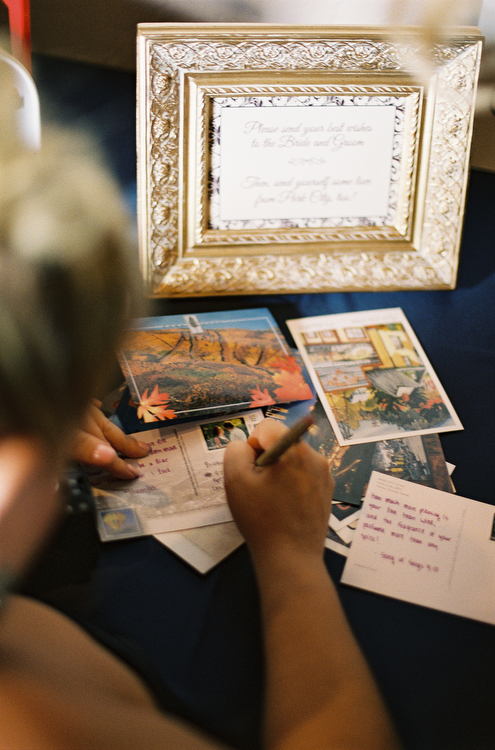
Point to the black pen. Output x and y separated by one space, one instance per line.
294 434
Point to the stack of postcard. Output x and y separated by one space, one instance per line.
408 538
195 383
198 381
384 404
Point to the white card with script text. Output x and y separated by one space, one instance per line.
426 547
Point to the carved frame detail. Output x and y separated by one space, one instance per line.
182 68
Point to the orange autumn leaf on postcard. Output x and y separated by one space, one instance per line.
260 398
287 362
153 408
290 381
289 378
292 386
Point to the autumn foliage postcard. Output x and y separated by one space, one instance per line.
191 366
372 376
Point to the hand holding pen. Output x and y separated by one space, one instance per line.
279 503
289 438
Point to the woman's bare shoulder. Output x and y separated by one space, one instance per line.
60 690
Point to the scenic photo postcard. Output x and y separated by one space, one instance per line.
372 376
192 366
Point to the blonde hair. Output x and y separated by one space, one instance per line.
67 278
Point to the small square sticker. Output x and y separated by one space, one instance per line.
118 523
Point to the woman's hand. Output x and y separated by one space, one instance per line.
99 441
315 672
285 506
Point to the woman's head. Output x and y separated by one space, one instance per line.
67 286
66 276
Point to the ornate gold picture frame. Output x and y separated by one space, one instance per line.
286 159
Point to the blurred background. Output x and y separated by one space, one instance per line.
104 34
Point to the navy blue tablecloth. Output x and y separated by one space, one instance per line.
437 671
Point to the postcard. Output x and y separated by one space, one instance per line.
346 533
426 547
343 515
193 366
334 542
203 548
181 486
372 376
418 458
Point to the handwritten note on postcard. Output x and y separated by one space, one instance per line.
426 547
181 486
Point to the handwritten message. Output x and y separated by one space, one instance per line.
398 531
181 483
294 162
425 546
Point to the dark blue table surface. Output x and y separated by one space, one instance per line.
437 671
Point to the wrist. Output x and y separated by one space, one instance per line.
287 566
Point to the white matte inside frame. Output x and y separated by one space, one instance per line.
307 162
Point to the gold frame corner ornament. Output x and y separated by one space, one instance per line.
186 72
